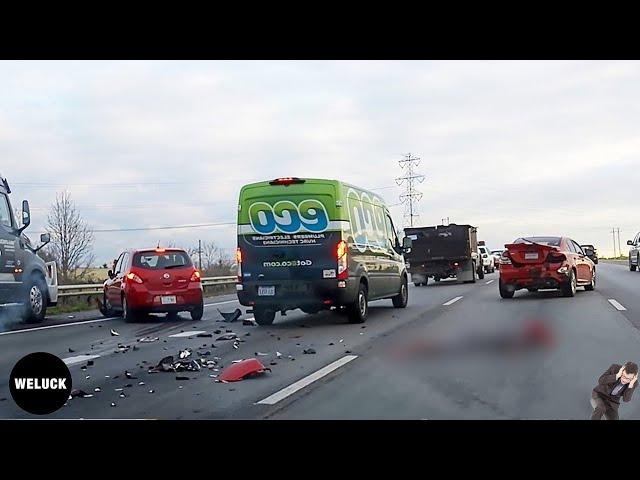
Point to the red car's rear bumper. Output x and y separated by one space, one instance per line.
141 298
534 276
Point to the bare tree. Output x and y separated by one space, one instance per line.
71 239
215 261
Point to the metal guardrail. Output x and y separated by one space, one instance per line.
96 288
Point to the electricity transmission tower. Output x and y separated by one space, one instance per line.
410 178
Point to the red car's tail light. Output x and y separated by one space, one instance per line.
195 276
505 259
556 257
133 277
341 254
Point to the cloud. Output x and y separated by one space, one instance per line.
514 147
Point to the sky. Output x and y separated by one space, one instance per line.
513 147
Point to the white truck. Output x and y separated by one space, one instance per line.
488 262
26 281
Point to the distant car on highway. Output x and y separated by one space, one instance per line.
160 280
496 254
488 262
591 252
545 262
634 253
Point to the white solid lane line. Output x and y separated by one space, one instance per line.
78 359
59 326
490 281
187 334
308 380
452 301
616 305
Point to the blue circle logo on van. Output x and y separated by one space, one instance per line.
287 217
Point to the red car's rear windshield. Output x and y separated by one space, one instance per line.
551 241
161 260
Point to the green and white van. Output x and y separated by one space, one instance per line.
316 244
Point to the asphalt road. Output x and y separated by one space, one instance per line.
451 354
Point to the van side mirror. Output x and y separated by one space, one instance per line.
26 214
110 274
629 242
45 238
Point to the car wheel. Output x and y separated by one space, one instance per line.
35 305
569 289
106 308
632 267
198 312
401 300
592 286
638 262
359 310
264 316
128 315
504 291
480 274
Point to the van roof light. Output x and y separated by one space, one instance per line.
286 181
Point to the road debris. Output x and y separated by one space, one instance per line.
90 363
114 333
260 354
243 369
185 353
278 355
236 344
97 389
129 375
341 340
230 316
80 393
71 350
204 335
113 404
122 395
152 391
309 351
182 378
148 339
228 336
249 322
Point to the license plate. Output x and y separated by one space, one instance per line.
168 300
531 256
266 291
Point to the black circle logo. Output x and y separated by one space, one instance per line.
40 383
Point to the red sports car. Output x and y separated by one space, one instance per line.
153 281
545 262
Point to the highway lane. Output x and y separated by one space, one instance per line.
368 381
200 397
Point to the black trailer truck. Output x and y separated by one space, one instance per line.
443 251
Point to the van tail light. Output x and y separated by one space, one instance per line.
342 256
195 276
505 259
133 277
239 262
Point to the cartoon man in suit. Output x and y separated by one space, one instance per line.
618 382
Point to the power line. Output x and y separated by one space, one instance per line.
411 195
145 229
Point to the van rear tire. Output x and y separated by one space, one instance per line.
401 300
358 311
264 316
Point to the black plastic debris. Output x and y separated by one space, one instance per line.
71 350
128 385
249 323
114 333
228 330
80 393
117 376
205 354
230 336
90 363
363 326
217 331
347 351
230 316
247 334
182 378
309 351
3 399
273 363
205 335
84 367
331 343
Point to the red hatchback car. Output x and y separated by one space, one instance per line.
545 262
153 281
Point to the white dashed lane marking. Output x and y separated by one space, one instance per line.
452 301
616 305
